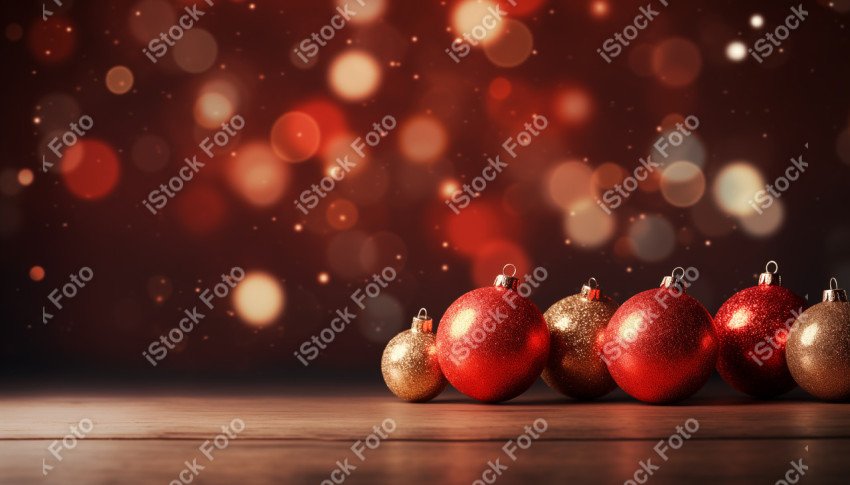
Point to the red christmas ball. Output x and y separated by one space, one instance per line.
493 342
752 328
659 345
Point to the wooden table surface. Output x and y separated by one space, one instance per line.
298 434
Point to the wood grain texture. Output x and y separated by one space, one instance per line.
297 435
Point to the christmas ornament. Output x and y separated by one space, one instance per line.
493 342
818 347
659 345
576 324
409 364
751 328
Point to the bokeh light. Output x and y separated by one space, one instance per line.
36 273
512 47
422 138
342 214
489 260
119 80
587 225
258 299
735 186
468 15
90 169
767 223
382 318
756 21
354 75
736 51
573 105
682 184
568 182
159 288
257 174
366 12
676 62
52 41
295 136
652 238
196 52
150 17
25 177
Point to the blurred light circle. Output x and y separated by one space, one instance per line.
736 51
90 169
652 238
150 153
367 185
159 288
257 174
212 109
676 62
36 273
756 21
53 40
14 32
119 80
568 182
599 8
258 299
468 18
490 259
842 145
366 11
196 52
382 318
473 227
200 208
342 214
766 223
586 224
354 75
422 138
682 184
25 177
735 185
521 8
295 136
329 117
606 176
499 88
710 220
573 105
512 47
149 18
381 250
690 149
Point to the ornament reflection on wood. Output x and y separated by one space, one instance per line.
410 365
493 341
818 347
752 328
659 345
576 330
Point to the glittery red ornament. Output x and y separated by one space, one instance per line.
493 342
659 345
752 328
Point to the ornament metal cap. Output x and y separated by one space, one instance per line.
591 291
770 277
834 293
674 280
506 280
422 322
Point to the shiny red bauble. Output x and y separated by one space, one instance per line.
659 345
492 342
752 328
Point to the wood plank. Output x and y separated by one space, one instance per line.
429 462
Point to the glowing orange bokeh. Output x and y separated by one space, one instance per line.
90 169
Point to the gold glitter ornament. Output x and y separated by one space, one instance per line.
818 347
410 365
576 323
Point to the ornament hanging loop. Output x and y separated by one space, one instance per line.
422 322
771 277
675 279
506 280
834 293
591 291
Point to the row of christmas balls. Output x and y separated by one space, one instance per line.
660 346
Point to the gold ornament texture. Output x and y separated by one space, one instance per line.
576 323
409 364
818 347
